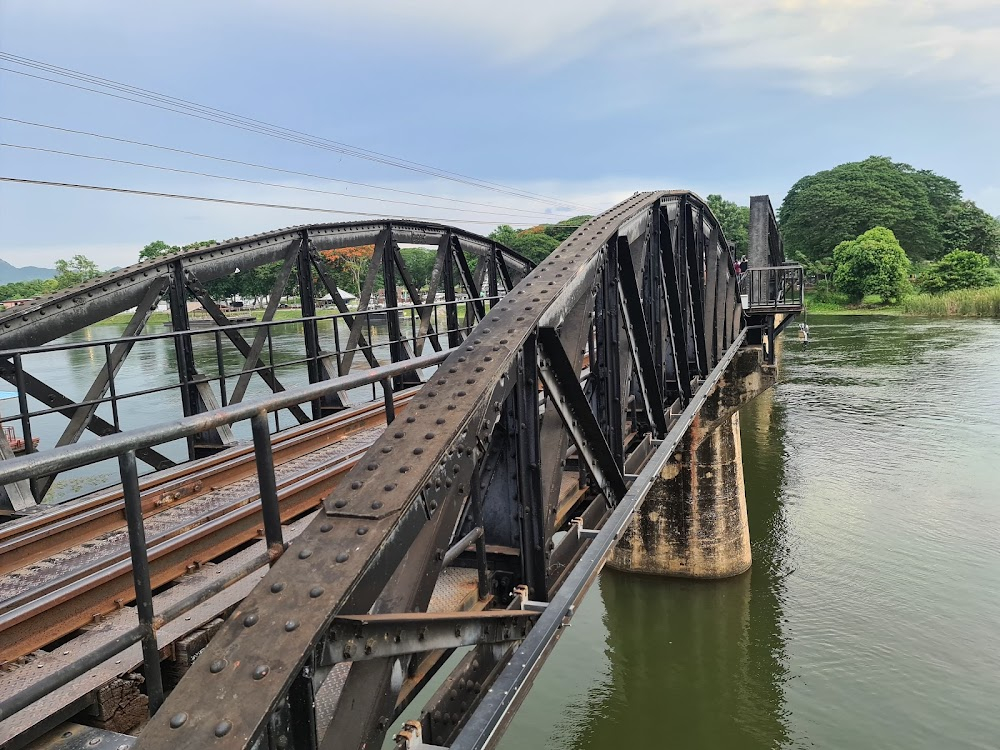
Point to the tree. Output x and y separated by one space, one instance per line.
534 244
27 289
959 269
562 230
76 270
349 265
505 234
419 264
734 220
157 249
830 207
874 263
965 226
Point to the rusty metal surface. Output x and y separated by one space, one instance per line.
41 535
14 678
93 579
79 737
455 591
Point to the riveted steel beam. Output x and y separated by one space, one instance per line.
480 411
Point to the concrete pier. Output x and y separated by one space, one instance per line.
693 523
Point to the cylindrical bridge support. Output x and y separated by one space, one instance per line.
693 523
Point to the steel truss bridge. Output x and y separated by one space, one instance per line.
299 588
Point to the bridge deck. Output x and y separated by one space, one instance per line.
59 570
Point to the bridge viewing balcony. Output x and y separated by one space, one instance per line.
773 289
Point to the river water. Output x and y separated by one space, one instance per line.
871 616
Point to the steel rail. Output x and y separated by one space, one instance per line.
486 723
105 585
39 689
40 535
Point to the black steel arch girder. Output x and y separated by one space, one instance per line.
71 309
421 467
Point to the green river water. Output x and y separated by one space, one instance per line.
871 616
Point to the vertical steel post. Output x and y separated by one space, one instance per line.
397 352
529 479
141 578
269 509
221 366
608 385
310 328
450 309
183 350
491 273
390 403
477 520
22 403
302 710
111 387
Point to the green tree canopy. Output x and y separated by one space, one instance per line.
76 270
419 263
959 269
874 263
537 242
505 234
534 245
27 289
734 220
830 207
157 249
965 226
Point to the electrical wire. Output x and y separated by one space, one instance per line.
205 199
271 168
182 106
237 179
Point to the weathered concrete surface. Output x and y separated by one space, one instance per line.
694 521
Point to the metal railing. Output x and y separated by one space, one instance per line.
123 446
773 288
418 326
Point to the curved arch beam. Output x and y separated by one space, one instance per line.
71 309
410 496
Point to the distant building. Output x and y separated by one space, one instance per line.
9 303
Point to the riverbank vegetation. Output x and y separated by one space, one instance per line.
881 237
875 236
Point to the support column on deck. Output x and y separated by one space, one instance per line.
693 523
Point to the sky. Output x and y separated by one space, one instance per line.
579 103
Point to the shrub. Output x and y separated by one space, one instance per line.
874 263
960 269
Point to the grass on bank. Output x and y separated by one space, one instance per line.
962 303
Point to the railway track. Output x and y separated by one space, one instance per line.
68 568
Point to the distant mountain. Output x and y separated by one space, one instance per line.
9 273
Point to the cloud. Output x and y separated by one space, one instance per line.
826 47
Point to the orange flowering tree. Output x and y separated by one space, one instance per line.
349 265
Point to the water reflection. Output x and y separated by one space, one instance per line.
695 663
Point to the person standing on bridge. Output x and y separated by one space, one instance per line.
744 264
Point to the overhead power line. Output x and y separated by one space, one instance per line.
205 199
238 179
192 109
272 168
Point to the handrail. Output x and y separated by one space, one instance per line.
234 327
73 456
